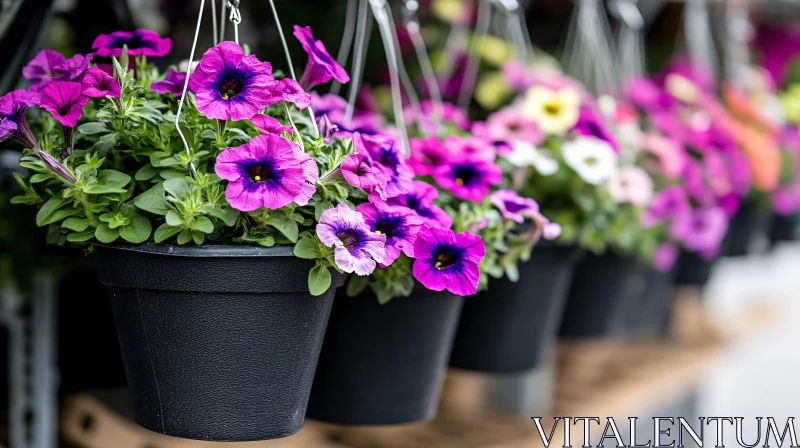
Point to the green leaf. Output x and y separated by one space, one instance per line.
80 237
184 237
75 224
109 181
174 219
48 209
177 187
286 225
385 295
39 177
93 128
153 201
106 142
146 172
227 214
202 224
172 174
137 231
198 237
58 215
106 235
512 272
164 232
306 248
319 280
267 241
356 285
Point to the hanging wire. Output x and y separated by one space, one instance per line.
737 34
235 17
358 58
289 61
474 53
347 41
411 22
222 8
214 21
699 44
408 84
630 40
589 52
514 18
186 87
380 11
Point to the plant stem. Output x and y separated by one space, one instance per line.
87 208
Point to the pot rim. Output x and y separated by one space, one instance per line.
205 251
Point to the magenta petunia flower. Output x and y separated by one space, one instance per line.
49 65
310 173
668 203
470 147
55 166
448 113
334 107
231 86
12 117
268 125
701 230
468 178
64 99
321 67
513 206
446 260
427 153
590 124
263 173
665 256
97 84
290 91
359 170
357 248
399 224
508 125
385 152
139 42
172 83
326 129
420 199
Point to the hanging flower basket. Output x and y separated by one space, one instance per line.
219 342
512 326
384 364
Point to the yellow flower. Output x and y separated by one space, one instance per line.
790 102
492 91
555 111
449 10
493 50
682 88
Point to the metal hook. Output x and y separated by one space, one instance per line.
235 17
473 60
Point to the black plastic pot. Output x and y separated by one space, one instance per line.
746 225
600 288
219 342
693 270
384 364
782 228
647 314
509 327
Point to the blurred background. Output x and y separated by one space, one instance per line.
723 347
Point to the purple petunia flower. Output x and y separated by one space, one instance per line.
55 166
448 113
385 152
268 125
420 199
591 125
326 129
321 67
49 65
665 257
513 206
12 117
446 260
64 99
231 86
468 178
470 147
172 83
263 173
359 170
508 125
668 203
399 224
701 231
139 42
335 106
97 84
427 153
290 91
357 247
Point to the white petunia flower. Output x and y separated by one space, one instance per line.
555 111
593 159
525 154
633 186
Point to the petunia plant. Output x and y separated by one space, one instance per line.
228 154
